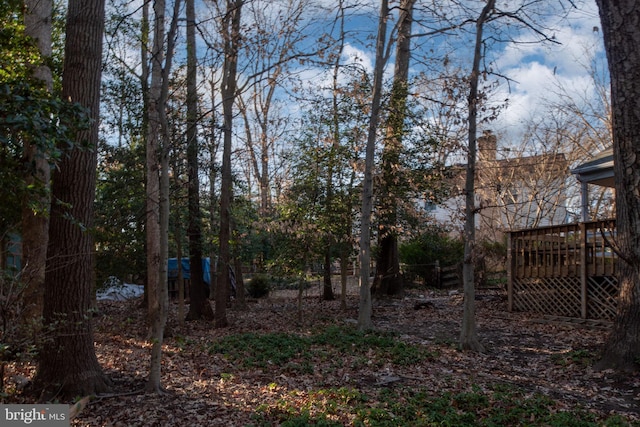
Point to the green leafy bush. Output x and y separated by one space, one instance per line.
259 286
419 255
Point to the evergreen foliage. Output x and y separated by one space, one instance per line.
28 114
120 210
421 254
259 286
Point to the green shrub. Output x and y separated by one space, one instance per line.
420 254
259 286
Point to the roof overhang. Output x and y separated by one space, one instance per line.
597 171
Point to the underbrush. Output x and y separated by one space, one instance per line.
295 352
387 404
401 406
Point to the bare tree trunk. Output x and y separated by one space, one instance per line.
365 308
468 334
232 40
144 85
35 221
180 278
178 236
213 206
152 226
240 301
619 26
68 364
336 147
199 307
265 188
388 280
156 141
327 288
344 266
165 183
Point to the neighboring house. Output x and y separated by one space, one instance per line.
512 193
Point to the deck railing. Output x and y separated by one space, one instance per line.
566 270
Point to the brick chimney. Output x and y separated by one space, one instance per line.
487 146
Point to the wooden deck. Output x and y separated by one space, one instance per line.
566 271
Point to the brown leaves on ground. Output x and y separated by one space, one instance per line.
206 388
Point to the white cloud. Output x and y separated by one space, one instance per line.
353 55
321 78
538 73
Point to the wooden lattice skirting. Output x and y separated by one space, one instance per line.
561 296
566 271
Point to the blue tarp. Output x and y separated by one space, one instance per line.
173 269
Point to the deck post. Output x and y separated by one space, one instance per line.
584 258
584 200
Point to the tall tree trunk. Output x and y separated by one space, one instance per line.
199 307
365 309
468 333
388 280
180 278
178 236
231 31
336 137
345 228
344 267
327 289
265 189
240 300
152 226
213 205
621 34
157 189
68 364
165 183
144 86
35 221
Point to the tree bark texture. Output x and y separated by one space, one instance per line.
232 40
468 333
199 307
67 362
333 232
388 280
158 189
35 222
365 307
621 29
327 288
157 312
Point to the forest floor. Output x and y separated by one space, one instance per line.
277 365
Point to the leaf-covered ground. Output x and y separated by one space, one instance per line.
276 365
